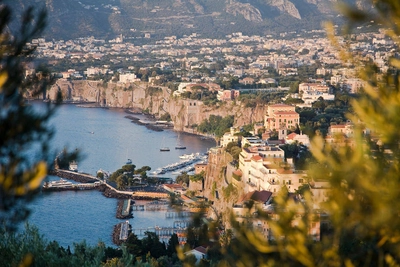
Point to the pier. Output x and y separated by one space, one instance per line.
88 181
126 209
138 207
124 232
151 206
179 214
179 228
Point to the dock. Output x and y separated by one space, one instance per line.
179 214
126 208
124 232
164 233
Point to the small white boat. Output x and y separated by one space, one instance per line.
73 166
129 161
58 184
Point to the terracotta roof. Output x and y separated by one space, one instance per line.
256 158
258 196
285 112
238 172
338 126
173 186
291 136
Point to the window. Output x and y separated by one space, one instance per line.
301 181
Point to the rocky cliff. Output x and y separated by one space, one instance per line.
219 189
184 112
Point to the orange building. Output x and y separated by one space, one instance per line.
281 116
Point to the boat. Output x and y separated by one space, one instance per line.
164 148
129 161
73 166
58 184
178 145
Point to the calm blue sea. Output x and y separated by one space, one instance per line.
107 140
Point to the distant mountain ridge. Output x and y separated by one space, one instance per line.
70 19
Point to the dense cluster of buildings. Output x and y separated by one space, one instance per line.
256 60
263 170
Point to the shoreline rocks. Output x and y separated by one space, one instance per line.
115 235
108 192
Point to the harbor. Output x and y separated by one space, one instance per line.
186 164
106 140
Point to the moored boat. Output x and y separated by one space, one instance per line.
73 166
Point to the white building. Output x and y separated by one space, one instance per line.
127 77
310 97
229 137
303 87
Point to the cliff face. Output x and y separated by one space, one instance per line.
219 189
285 6
248 11
183 112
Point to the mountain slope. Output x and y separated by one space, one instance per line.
107 18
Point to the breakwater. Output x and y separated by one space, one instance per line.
115 234
124 209
110 192
74 176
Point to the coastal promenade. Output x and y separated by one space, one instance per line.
108 190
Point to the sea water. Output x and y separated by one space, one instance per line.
107 139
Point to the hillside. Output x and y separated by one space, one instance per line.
212 18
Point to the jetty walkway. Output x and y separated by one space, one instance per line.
164 233
91 182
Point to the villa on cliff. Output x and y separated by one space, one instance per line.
263 167
281 117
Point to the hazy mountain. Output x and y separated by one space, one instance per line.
108 18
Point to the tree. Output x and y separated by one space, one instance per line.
134 245
152 244
22 128
183 178
173 243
